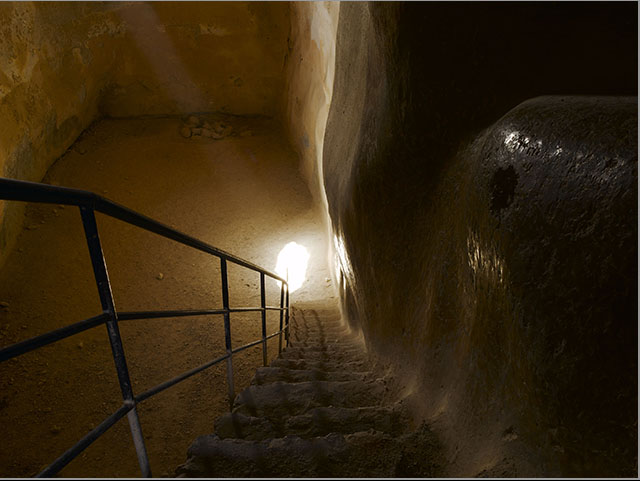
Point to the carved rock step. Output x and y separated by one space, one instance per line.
313 319
338 355
363 454
318 325
237 425
322 336
320 340
316 321
266 375
322 365
326 347
319 421
317 411
315 344
323 347
279 400
324 420
314 314
323 327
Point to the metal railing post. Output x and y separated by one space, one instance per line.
117 349
287 316
281 316
227 330
263 305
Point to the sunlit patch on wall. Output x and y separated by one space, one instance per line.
341 260
484 262
292 265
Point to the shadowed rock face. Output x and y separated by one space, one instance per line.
494 254
563 247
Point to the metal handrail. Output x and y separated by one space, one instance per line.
89 203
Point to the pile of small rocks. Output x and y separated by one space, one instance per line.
196 126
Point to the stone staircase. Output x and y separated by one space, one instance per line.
316 411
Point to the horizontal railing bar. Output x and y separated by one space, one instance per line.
254 343
129 316
27 345
12 189
127 215
167 384
274 334
255 309
134 315
247 346
85 442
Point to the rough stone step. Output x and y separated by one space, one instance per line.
336 356
326 336
319 339
317 422
363 454
324 420
318 325
303 331
327 347
315 314
316 321
279 400
319 345
237 425
311 354
322 365
309 309
266 375
325 331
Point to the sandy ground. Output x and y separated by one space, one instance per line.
242 194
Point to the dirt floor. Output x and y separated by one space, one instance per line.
242 194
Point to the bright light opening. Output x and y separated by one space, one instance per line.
292 265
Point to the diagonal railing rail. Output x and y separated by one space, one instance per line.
89 203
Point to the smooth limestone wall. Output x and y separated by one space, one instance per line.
309 84
307 96
489 242
65 64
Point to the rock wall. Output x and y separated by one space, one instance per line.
309 84
57 59
200 57
492 246
64 64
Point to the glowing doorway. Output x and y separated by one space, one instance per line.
292 265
